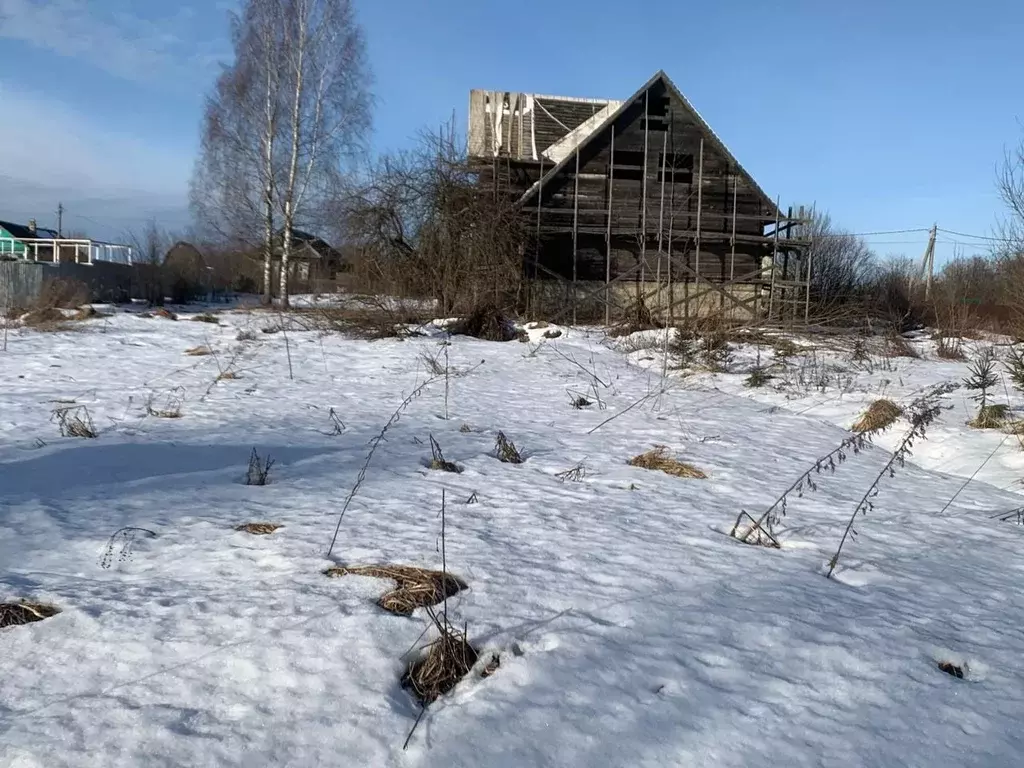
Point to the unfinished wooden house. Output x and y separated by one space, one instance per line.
637 206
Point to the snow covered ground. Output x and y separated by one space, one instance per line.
631 630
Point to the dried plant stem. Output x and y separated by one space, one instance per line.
855 443
924 415
374 443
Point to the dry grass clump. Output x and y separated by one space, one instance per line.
879 415
506 450
486 322
24 612
74 421
45 318
438 461
258 529
201 351
447 660
992 416
658 458
416 587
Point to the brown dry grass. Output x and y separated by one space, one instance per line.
991 417
16 614
448 659
879 415
258 529
658 458
417 587
199 351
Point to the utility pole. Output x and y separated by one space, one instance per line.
60 219
928 263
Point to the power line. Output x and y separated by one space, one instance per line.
976 237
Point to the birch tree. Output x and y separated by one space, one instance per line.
327 101
234 184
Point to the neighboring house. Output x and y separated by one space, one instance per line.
34 243
13 238
311 259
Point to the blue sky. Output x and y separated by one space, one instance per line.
892 114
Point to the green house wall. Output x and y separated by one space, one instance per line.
9 244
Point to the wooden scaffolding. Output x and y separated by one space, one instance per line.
637 206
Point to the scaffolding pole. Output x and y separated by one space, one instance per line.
536 251
575 229
775 255
700 204
643 194
608 236
661 217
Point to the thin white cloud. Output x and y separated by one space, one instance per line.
53 153
113 38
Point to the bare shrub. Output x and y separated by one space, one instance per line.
258 472
63 293
950 347
658 458
897 346
427 228
486 322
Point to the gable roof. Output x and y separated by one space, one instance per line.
610 118
22 232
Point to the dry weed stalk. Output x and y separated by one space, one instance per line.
376 441
924 412
24 612
506 450
573 474
438 461
659 459
74 421
171 407
772 516
126 538
337 425
880 415
258 472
